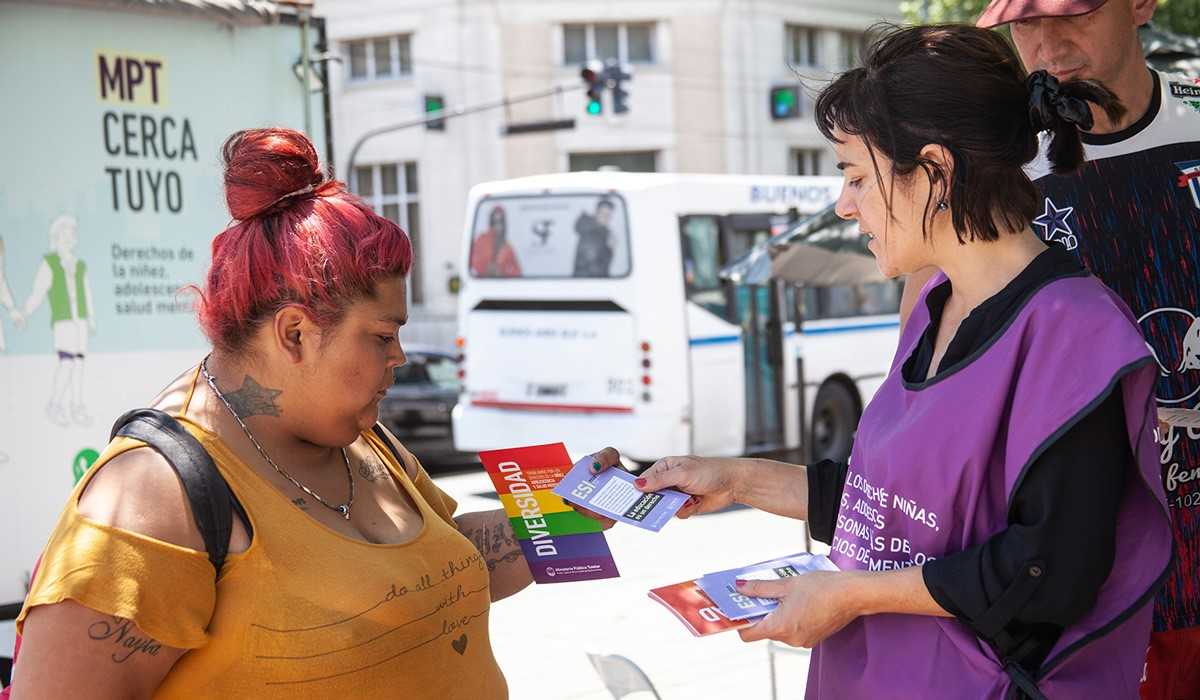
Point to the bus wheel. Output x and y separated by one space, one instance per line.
835 417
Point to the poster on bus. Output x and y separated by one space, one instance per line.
553 236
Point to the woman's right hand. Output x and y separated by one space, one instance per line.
711 481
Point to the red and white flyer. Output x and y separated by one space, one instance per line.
696 610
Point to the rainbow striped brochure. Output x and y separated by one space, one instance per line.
559 544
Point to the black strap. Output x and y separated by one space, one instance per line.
391 446
992 623
213 503
1024 686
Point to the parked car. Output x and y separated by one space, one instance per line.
424 392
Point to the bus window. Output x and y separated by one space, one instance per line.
742 241
881 298
874 299
701 243
551 236
789 303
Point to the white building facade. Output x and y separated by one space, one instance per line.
699 100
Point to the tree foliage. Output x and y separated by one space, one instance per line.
1179 16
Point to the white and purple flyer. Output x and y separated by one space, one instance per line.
611 493
720 587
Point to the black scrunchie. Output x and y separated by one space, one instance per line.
1048 107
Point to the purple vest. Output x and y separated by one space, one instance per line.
932 473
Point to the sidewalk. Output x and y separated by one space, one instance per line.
541 635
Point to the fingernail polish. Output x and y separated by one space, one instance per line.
740 582
639 482
596 467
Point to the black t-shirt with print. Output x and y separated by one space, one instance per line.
1132 215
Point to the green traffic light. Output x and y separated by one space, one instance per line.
594 107
435 105
785 102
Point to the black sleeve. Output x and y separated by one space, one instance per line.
825 482
1020 589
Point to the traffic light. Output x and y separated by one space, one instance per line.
785 102
595 89
597 77
616 78
433 105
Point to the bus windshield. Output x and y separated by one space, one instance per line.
550 236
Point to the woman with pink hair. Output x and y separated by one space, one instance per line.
348 572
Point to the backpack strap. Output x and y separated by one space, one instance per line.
382 434
212 502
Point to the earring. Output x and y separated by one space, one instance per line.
942 206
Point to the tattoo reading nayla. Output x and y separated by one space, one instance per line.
120 632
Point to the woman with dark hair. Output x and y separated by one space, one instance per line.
1001 526
348 573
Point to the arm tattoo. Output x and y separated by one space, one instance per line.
120 632
496 543
372 470
508 558
254 400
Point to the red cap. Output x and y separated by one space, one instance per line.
1004 11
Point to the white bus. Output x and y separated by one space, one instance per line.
593 312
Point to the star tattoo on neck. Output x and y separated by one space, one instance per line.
253 399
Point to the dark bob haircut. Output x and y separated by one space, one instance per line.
961 88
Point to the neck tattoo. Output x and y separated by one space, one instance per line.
342 509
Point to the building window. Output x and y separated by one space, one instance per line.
624 43
803 46
806 161
391 190
380 58
630 162
852 44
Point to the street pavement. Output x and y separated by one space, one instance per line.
542 635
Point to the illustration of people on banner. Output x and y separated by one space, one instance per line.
62 279
6 301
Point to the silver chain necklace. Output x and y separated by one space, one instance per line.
343 509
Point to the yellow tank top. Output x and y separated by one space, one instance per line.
305 611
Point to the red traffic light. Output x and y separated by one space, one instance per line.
588 75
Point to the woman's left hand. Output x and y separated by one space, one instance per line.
608 458
812 607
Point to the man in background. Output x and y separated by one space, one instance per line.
594 252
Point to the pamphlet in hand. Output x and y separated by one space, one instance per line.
559 544
720 587
695 610
612 493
